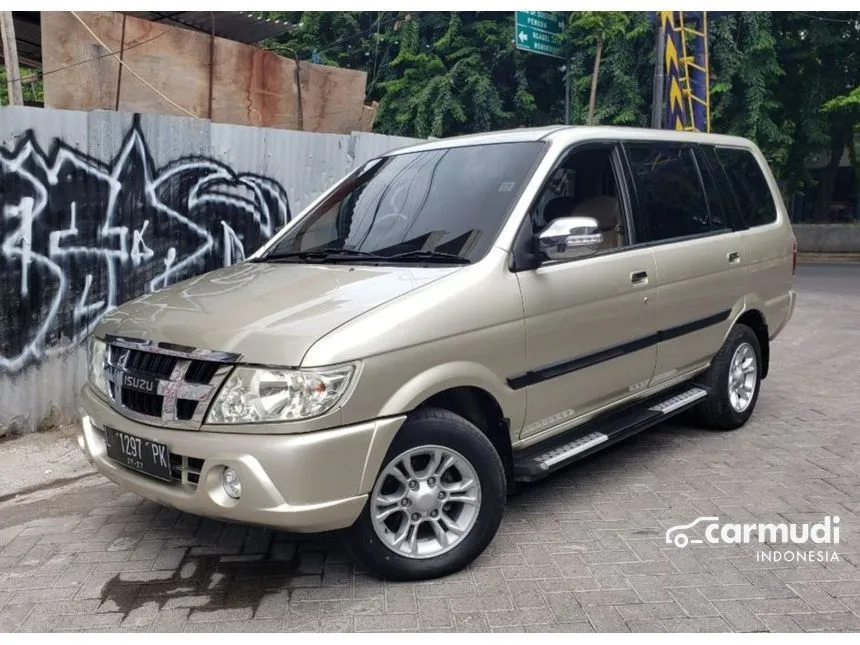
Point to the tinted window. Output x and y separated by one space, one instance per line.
670 195
749 186
450 201
721 202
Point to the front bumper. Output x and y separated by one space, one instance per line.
306 482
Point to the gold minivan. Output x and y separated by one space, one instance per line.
449 320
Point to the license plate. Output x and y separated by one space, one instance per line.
149 457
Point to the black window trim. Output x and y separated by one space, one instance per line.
521 247
637 208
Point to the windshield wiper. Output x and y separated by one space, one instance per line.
430 256
321 255
347 255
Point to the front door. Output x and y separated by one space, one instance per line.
590 322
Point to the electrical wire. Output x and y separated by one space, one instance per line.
37 75
369 89
357 34
130 70
824 18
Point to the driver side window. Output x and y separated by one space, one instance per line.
584 185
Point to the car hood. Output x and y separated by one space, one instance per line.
269 313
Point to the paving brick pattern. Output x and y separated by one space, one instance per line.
583 551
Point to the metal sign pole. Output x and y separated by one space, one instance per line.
542 32
567 89
659 76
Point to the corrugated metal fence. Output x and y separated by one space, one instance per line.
99 207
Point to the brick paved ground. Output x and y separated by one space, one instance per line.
581 551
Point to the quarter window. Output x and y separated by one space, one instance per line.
749 186
671 198
725 213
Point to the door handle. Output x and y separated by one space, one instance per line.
733 257
638 278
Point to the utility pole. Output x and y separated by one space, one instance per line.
567 90
659 76
567 58
10 58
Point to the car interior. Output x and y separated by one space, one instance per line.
584 186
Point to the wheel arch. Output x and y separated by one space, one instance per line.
755 320
471 391
482 410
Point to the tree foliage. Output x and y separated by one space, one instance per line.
31 85
788 80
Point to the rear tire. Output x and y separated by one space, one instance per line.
441 495
733 382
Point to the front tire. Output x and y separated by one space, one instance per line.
437 502
733 382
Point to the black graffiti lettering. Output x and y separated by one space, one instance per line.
79 236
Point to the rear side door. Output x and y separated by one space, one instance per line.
756 209
698 255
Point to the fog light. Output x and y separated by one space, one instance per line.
231 482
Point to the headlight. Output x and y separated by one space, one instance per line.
97 365
253 395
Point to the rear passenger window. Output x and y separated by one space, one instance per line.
749 186
725 213
671 198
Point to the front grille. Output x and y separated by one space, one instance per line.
149 404
155 365
185 409
170 384
201 371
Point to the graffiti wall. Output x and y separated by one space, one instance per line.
97 208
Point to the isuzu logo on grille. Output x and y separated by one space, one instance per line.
139 383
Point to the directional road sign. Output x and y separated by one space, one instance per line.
539 32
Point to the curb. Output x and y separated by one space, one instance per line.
828 258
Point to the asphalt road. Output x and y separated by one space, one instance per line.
828 279
584 550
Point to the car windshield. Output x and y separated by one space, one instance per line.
444 206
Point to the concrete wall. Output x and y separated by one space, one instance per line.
99 207
827 238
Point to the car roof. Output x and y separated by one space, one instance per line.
517 135
571 134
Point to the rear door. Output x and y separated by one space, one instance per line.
699 259
759 216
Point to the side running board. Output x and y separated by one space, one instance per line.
538 461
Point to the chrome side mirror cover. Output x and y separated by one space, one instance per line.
570 238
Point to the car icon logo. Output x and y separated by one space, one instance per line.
677 536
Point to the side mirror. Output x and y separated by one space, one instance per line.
570 238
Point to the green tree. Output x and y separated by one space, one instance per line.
593 30
746 73
821 56
787 80
31 86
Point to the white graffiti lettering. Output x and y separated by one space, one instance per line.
79 236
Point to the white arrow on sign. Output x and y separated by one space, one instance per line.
523 36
